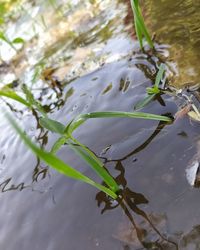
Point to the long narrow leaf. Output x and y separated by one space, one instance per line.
144 102
159 75
7 92
94 162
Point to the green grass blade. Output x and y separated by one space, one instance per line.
56 163
7 92
89 157
119 114
160 74
32 101
138 32
140 27
141 104
58 144
52 125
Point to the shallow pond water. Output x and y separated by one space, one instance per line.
89 49
176 24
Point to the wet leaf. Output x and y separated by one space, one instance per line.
159 75
90 158
153 90
141 104
7 92
52 125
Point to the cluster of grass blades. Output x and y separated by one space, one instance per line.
140 27
66 137
152 91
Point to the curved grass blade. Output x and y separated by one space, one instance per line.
159 75
59 143
141 104
89 157
74 124
32 101
52 125
56 163
119 114
7 92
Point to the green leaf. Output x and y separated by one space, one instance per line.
12 95
74 124
18 40
119 114
140 27
32 101
159 75
52 125
153 90
94 162
141 104
58 144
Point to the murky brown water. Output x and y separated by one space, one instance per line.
98 62
176 24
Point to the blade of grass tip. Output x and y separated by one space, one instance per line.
33 102
159 75
57 163
89 157
12 95
141 104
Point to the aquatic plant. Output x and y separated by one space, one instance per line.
66 137
140 27
152 91
17 40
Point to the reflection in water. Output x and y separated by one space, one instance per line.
159 128
129 201
5 187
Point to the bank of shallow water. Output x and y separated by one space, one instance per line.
40 209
